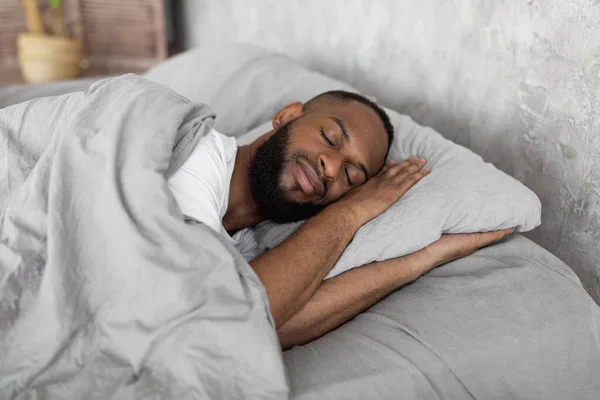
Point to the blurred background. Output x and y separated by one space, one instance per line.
100 36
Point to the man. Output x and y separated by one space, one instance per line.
325 160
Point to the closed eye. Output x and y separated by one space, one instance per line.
326 138
348 176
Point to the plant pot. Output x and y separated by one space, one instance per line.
45 58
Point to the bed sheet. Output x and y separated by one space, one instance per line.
508 322
19 93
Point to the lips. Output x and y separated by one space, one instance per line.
309 181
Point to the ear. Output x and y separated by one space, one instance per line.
287 114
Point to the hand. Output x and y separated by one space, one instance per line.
451 247
384 189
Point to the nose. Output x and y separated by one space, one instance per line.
331 163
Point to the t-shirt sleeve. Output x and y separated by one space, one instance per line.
198 185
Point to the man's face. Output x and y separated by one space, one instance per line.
315 159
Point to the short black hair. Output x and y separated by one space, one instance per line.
334 97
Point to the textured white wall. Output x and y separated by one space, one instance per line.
517 81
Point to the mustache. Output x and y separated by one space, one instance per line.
301 156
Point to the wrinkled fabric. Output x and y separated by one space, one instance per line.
511 321
105 291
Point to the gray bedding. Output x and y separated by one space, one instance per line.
105 291
509 322
19 93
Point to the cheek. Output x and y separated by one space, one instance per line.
288 183
290 186
286 180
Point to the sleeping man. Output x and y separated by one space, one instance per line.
324 160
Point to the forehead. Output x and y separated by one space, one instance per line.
368 137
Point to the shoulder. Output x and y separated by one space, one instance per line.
214 146
201 184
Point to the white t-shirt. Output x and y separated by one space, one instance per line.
201 188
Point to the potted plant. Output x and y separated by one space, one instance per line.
47 56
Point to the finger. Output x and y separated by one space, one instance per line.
501 233
387 165
488 238
407 166
409 170
407 182
393 169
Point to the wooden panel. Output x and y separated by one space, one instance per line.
116 34
124 30
12 21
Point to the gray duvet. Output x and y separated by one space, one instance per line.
105 292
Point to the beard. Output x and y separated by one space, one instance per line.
272 198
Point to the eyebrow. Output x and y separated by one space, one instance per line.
347 139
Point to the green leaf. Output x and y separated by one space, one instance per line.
55 3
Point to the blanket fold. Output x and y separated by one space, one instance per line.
105 292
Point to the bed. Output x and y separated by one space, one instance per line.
510 321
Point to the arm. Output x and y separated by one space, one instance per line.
339 299
292 271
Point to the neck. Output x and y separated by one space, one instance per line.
242 210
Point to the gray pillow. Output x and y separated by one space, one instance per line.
462 194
